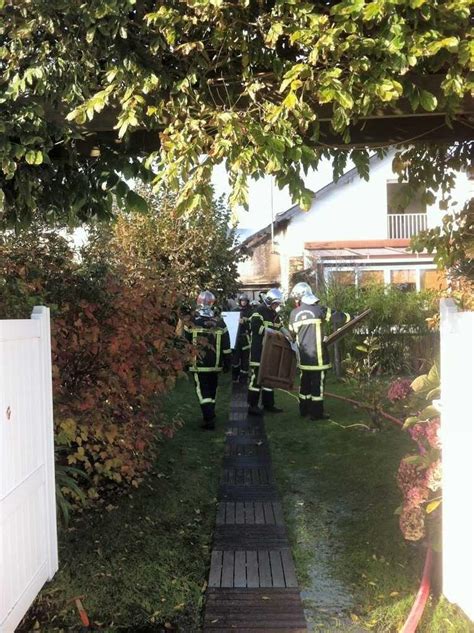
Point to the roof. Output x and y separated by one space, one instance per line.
242 234
284 218
363 250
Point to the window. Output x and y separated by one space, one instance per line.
402 199
342 277
403 279
432 280
367 277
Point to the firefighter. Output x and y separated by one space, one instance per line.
211 354
240 360
307 323
264 316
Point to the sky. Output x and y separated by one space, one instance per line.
260 195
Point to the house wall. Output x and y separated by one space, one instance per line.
357 210
263 267
352 210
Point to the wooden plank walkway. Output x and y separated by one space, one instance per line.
252 586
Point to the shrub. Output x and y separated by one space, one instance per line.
113 348
419 475
398 319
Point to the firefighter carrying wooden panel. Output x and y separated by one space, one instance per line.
241 353
265 316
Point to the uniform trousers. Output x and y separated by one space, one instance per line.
311 396
205 383
268 396
240 360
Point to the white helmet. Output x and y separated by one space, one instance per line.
309 299
301 288
204 302
274 295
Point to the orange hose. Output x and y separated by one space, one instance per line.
422 596
418 607
82 612
385 415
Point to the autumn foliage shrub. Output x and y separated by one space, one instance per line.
114 350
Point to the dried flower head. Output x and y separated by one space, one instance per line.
412 523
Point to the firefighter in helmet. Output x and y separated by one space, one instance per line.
307 323
209 337
240 359
264 316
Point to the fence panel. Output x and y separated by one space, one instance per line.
28 537
457 423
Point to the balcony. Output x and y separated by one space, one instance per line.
405 225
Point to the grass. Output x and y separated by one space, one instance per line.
143 565
339 495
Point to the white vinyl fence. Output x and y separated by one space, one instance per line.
28 537
457 424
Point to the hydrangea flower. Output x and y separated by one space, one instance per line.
409 476
416 496
433 433
434 476
399 389
418 434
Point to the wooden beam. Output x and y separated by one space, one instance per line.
390 130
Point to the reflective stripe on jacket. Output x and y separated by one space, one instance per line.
210 338
308 323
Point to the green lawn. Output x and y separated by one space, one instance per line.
339 495
143 565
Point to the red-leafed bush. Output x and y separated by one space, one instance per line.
115 309
114 349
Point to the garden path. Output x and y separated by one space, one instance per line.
252 584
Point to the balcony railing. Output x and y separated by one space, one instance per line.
405 225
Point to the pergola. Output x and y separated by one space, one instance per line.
391 126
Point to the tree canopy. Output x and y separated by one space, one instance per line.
93 93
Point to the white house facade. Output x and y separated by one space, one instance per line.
355 231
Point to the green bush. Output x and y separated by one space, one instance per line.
397 319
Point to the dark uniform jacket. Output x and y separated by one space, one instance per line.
210 338
261 318
308 323
243 337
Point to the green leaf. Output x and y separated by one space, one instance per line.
420 383
428 413
290 100
434 394
344 98
431 507
135 202
30 157
418 460
428 101
433 375
410 422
